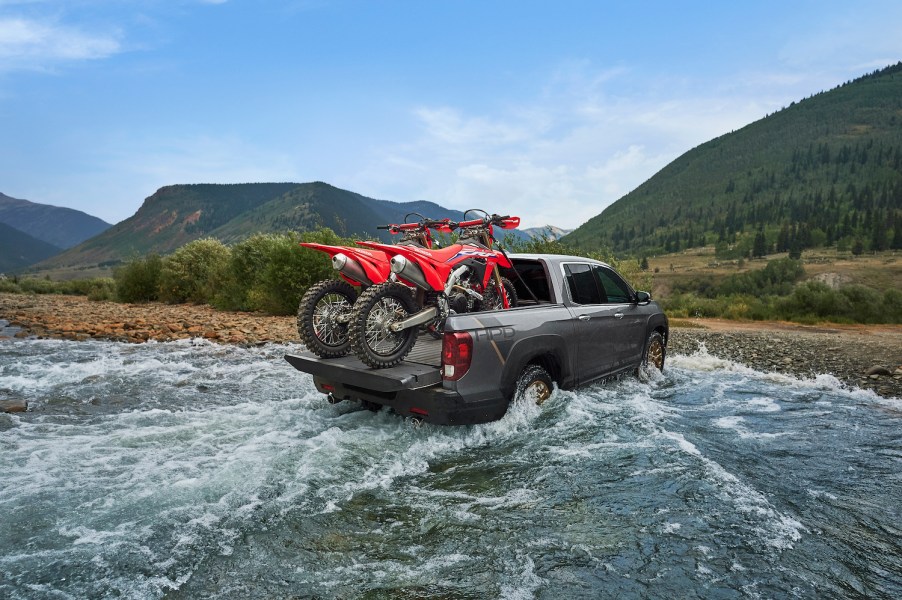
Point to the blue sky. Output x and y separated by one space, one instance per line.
547 110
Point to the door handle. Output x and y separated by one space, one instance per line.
618 315
584 317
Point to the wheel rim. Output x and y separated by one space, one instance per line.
537 389
379 337
655 356
327 326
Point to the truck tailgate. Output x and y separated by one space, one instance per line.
422 368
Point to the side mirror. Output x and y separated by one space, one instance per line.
643 297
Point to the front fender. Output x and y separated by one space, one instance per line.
658 321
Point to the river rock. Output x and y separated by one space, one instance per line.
13 406
878 370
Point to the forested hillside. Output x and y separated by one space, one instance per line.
824 171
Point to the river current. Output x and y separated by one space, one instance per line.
193 470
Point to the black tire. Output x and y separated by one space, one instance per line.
655 352
491 299
534 380
377 308
323 317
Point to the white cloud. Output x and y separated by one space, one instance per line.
562 157
448 126
28 44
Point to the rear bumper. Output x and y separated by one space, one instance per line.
432 404
412 388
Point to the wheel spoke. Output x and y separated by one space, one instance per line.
325 315
378 336
656 354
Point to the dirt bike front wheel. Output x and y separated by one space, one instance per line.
492 299
370 332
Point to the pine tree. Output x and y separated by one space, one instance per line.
759 248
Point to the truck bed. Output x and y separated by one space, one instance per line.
421 368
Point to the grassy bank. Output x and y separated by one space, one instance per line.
824 286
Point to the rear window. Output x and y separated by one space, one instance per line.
531 273
582 284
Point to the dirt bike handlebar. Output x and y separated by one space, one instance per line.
438 224
504 222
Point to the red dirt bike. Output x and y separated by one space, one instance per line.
385 319
325 309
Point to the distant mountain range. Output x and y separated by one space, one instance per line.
58 226
826 170
18 249
178 214
549 232
31 232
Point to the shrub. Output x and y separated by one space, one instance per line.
38 286
102 289
892 306
10 286
270 272
814 301
777 278
194 272
99 288
138 280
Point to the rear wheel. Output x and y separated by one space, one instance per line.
371 337
323 317
534 384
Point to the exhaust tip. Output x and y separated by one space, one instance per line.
398 263
339 261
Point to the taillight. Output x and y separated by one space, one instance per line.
457 352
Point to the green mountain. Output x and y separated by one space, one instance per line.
178 214
18 249
826 170
55 225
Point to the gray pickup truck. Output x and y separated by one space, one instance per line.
577 322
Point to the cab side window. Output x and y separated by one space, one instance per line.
583 284
615 288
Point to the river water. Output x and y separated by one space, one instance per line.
193 470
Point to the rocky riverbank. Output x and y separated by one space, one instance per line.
77 318
867 357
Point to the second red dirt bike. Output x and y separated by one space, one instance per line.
386 318
325 308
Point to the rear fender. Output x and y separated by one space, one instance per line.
374 263
436 273
547 350
330 250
